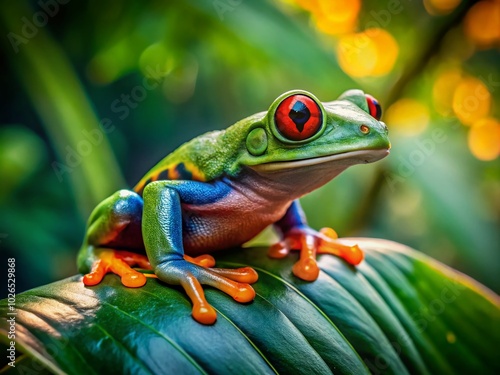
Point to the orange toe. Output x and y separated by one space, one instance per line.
353 255
243 275
92 278
278 250
245 293
133 279
329 232
307 270
204 314
205 260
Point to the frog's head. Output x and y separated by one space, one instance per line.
299 132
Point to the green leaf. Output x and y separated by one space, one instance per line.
398 312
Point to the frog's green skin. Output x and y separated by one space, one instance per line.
220 190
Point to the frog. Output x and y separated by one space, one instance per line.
223 188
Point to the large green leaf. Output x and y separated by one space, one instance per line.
398 312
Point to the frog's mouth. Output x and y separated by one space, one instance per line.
345 158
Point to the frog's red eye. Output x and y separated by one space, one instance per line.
373 107
298 117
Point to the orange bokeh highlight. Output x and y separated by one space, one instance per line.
372 52
484 139
440 7
336 16
471 100
482 23
332 17
444 89
408 116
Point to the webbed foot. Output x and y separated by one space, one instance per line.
310 243
235 282
120 262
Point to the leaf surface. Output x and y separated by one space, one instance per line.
398 312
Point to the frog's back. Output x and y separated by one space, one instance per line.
197 160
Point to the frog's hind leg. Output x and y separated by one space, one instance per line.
115 222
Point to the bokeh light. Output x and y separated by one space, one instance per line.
440 7
443 90
154 59
484 139
336 17
372 52
408 116
482 23
332 17
109 63
471 100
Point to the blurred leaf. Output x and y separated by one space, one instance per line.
398 312
70 121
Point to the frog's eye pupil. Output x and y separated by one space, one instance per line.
298 117
374 107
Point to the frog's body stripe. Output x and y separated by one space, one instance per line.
184 173
164 175
174 171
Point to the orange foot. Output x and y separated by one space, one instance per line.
234 282
120 262
310 243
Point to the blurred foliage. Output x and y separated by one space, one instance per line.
95 93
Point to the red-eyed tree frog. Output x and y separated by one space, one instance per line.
221 189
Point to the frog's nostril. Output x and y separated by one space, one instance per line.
385 128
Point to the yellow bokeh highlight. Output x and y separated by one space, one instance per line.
443 90
408 116
340 10
336 16
372 52
471 100
331 17
482 23
332 27
484 139
440 7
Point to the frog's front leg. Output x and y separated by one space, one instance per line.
297 235
162 233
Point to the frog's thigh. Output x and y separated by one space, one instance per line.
121 210
162 218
